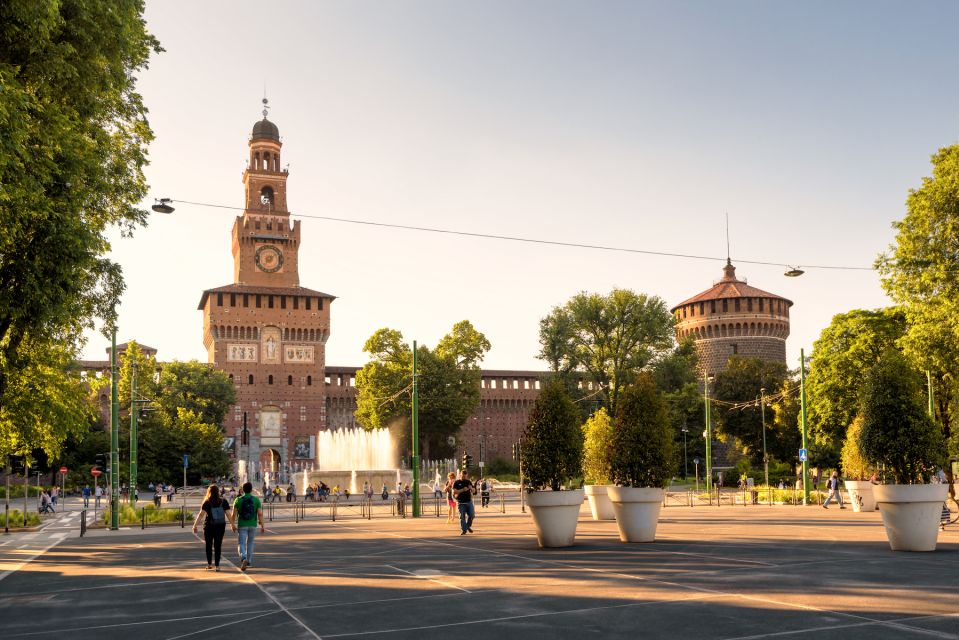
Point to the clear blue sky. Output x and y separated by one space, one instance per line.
632 124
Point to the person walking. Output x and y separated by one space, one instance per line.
213 514
247 512
98 494
833 485
450 501
463 491
485 488
86 497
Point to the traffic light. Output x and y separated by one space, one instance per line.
100 462
514 451
467 461
16 464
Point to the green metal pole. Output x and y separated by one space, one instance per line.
133 436
802 402
709 440
114 438
762 413
416 441
932 411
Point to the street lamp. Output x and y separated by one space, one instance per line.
161 206
707 378
685 460
762 413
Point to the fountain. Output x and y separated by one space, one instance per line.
350 457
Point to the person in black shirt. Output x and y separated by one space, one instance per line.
213 515
463 491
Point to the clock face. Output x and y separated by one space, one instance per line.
268 258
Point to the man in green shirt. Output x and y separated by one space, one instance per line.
246 513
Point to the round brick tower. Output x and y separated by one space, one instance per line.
733 318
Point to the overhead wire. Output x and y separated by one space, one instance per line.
555 243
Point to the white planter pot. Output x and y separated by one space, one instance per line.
860 494
637 512
599 502
555 514
910 513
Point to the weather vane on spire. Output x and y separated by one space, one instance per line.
266 107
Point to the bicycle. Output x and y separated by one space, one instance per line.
950 513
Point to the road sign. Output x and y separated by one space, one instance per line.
482 464
63 470
186 461
696 460
802 455
95 472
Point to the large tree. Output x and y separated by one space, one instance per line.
921 273
845 351
73 138
448 383
180 412
606 340
738 412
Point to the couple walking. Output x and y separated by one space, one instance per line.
244 516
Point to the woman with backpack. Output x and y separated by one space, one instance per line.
213 515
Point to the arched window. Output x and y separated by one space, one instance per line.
289 380
309 381
269 379
251 379
266 195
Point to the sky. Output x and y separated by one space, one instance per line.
638 125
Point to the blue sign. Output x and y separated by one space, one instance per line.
186 461
802 455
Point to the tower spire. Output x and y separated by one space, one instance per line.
266 104
728 259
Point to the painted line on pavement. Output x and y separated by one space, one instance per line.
27 561
691 598
410 573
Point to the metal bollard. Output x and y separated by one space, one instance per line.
182 517
143 518
83 522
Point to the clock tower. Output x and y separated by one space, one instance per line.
266 331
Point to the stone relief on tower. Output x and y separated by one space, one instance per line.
271 345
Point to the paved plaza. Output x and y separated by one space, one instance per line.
714 572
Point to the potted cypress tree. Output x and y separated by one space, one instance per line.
552 457
899 437
857 470
642 461
597 444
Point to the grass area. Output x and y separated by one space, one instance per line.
16 519
153 515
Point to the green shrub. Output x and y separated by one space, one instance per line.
897 434
16 519
553 446
597 444
501 467
855 466
153 515
644 450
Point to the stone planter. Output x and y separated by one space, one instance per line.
910 513
860 495
637 512
555 514
599 503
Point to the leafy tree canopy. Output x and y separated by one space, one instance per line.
921 273
606 339
73 140
845 351
738 412
448 384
